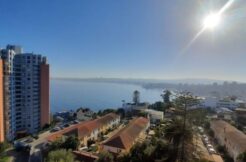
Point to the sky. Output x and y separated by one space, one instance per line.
129 38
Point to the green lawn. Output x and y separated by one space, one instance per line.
4 158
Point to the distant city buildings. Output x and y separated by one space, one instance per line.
227 102
24 98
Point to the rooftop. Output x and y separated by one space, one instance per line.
84 128
230 133
240 109
126 137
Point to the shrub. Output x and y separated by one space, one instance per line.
61 155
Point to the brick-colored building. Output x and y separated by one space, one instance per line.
124 140
88 130
2 131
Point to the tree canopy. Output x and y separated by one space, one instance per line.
61 155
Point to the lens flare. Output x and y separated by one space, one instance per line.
212 20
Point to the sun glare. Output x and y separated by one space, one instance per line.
211 21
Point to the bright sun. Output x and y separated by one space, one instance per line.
212 20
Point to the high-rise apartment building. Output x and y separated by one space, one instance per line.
25 81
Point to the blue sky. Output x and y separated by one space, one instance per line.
129 38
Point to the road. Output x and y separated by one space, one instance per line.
35 152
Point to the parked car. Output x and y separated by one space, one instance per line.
55 129
83 148
209 146
35 136
211 151
76 122
28 140
66 125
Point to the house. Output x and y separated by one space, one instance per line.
230 137
224 113
88 130
240 115
135 106
84 114
228 103
123 140
65 115
154 115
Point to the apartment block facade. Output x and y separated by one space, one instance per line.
25 92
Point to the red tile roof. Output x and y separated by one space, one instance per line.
84 128
125 138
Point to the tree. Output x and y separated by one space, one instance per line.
197 116
184 101
166 99
3 146
161 148
71 143
166 96
121 112
57 144
211 133
136 97
207 125
61 155
242 157
174 132
124 158
105 157
159 106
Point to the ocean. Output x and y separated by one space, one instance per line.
70 94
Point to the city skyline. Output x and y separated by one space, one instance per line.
126 39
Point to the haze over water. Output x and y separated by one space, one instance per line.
68 94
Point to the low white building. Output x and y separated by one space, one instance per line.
224 113
133 106
154 115
214 102
227 103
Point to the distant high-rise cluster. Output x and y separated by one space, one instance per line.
24 92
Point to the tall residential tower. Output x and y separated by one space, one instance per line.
25 93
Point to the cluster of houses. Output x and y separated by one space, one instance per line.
122 141
88 130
